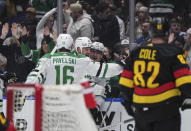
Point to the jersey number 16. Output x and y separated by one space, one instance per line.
64 73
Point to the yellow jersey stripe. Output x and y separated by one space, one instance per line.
183 80
156 98
126 82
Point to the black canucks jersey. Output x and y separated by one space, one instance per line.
154 74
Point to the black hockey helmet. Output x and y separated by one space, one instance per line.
159 28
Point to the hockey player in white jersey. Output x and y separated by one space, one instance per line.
97 51
64 67
98 83
82 46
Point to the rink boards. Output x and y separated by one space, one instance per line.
116 118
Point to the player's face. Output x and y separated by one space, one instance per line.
86 51
96 55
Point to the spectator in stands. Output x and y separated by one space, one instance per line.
142 15
106 1
121 51
179 42
2 6
21 5
175 30
106 26
10 8
49 23
81 25
16 62
108 54
187 46
124 11
187 18
47 46
113 9
138 5
31 22
49 19
30 16
145 38
42 6
29 37
124 49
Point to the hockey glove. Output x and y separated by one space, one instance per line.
186 104
129 108
8 78
5 125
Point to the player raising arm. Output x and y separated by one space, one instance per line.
64 67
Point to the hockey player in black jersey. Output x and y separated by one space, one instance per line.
153 82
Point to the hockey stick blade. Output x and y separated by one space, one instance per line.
102 122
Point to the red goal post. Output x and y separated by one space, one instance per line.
48 108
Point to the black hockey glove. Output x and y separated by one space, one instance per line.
8 77
4 123
94 112
121 63
186 104
128 107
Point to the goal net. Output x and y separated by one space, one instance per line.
48 108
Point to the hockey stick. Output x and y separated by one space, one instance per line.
102 122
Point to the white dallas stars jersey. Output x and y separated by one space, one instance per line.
67 68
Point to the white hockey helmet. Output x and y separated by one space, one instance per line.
82 42
98 46
64 40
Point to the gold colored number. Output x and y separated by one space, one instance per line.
154 68
140 68
181 59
